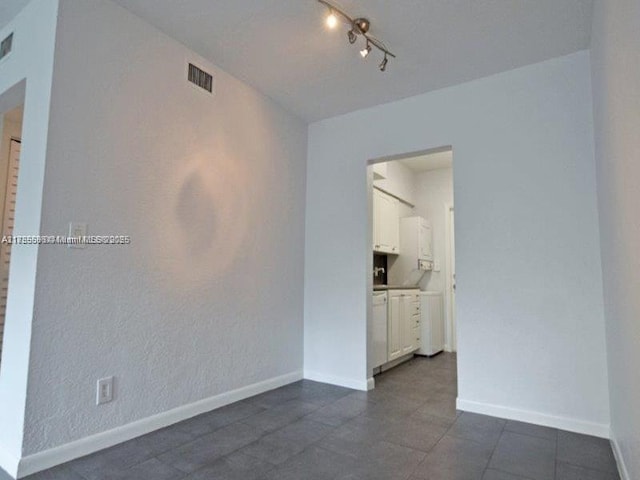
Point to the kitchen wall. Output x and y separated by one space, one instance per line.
206 303
400 182
529 301
615 56
25 78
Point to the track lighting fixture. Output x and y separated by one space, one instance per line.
352 36
332 20
383 65
366 50
359 27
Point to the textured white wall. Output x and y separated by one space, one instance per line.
615 57
530 313
208 297
25 77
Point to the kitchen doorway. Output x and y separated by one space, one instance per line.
10 147
411 260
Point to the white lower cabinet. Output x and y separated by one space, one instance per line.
404 322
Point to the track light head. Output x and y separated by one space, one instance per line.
366 50
352 36
383 65
332 20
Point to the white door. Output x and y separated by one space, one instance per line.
395 326
8 215
379 330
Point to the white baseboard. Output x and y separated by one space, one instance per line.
339 381
55 456
622 466
8 463
371 383
563 423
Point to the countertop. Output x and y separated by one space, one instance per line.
394 287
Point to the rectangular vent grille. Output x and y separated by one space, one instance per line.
200 78
5 46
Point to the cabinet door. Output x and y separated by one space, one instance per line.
376 220
395 326
389 224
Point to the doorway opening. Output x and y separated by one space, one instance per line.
10 146
412 261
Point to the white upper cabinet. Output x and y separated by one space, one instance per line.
386 223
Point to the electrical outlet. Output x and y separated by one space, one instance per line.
77 230
105 390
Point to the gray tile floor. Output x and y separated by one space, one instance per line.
406 429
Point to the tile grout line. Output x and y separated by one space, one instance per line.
495 447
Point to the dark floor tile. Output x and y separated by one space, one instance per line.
525 455
204 450
339 412
152 469
280 416
357 435
438 405
479 428
304 431
415 433
565 471
531 429
282 444
165 439
111 461
391 405
63 472
586 451
272 450
313 464
229 414
236 466
454 459
491 474
384 461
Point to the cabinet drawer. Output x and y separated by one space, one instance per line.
415 308
415 321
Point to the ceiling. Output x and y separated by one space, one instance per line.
283 48
429 161
9 9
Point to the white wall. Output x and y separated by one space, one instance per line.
530 314
25 77
208 297
434 191
615 59
400 182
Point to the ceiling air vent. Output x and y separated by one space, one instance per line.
5 46
200 78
